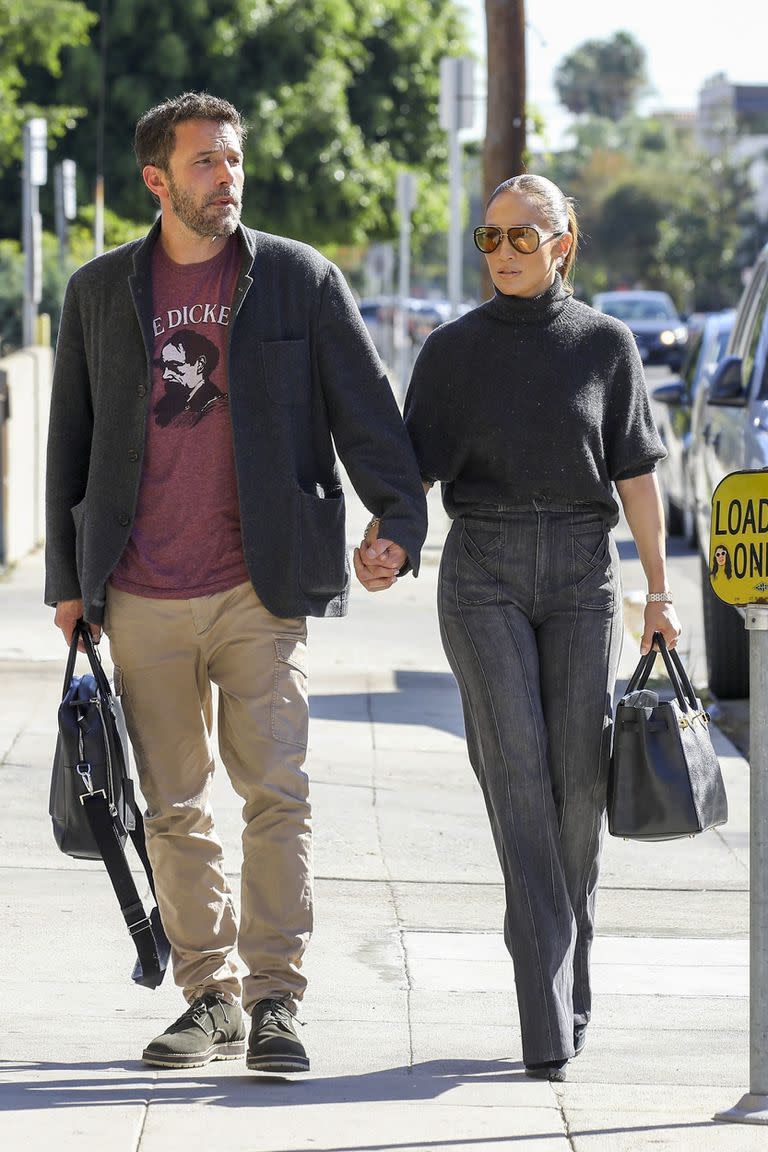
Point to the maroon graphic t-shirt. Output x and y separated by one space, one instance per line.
186 534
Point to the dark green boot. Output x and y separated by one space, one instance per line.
273 1045
210 1029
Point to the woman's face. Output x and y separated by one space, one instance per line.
516 273
721 556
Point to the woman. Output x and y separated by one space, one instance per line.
529 410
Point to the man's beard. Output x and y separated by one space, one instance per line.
203 219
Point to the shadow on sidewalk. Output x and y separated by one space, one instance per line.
428 699
143 1086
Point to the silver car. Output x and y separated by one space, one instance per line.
677 403
730 431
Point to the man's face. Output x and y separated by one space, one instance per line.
205 178
177 369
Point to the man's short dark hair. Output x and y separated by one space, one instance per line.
155 136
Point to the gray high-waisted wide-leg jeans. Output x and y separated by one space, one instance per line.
531 621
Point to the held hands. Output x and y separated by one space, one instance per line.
377 562
68 612
659 617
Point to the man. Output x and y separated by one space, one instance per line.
201 546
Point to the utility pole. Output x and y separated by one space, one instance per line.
505 134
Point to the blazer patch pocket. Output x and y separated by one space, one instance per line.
287 371
323 561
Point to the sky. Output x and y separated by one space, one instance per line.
685 41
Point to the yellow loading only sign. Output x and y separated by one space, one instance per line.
738 538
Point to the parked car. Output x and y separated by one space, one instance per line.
730 433
673 403
659 331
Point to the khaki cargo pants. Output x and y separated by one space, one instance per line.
167 654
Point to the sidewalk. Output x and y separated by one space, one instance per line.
410 1019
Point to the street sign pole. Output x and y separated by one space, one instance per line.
456 112
34 175
740 535
406 195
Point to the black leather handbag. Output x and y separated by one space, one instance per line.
665 780
92 803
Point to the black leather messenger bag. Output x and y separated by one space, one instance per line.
92 802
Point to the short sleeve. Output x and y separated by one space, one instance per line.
427 413
632 442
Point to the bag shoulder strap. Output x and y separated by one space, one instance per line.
146 932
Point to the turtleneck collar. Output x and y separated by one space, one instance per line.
530 309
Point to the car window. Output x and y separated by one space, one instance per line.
693 354
631 308
754 351
745 312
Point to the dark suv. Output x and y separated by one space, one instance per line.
730 431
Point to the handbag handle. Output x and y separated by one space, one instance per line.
678 677
83 632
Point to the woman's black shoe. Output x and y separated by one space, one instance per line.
579 1038
552 1070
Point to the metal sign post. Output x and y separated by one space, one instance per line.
456 112
406 196
738 554
34 174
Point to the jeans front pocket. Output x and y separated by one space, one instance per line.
477 564
592 564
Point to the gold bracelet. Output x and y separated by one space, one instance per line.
659 598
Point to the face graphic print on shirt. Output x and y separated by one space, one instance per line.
187 360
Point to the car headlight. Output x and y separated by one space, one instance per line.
672 336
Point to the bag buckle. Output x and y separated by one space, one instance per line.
83 770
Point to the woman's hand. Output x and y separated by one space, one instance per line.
377 562
659 617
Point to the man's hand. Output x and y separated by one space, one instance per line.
68 612
377 562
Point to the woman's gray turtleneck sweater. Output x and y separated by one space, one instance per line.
531 399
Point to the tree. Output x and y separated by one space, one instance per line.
602 77
657 213
33 34
339 93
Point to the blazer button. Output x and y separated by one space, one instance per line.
124 519
133 454
142 391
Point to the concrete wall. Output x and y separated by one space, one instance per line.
26 380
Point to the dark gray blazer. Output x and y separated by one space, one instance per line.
303 376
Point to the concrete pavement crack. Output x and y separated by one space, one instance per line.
390 885
560 1097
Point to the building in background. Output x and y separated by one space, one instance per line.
733 118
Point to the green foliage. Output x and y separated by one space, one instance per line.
56 272
602 77
657 213
33 35
338 94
